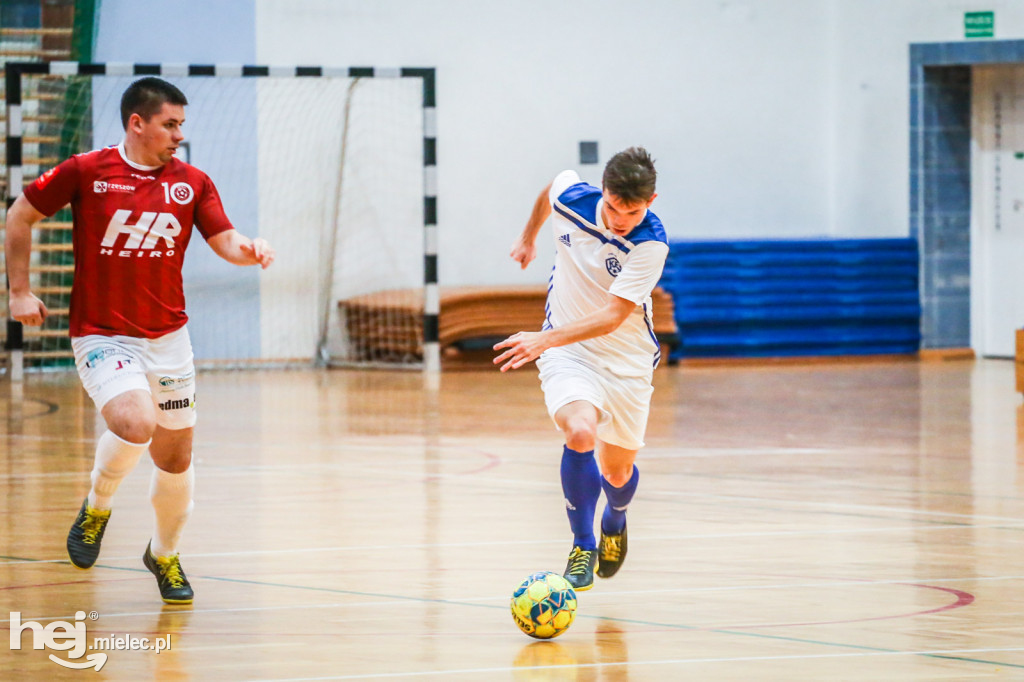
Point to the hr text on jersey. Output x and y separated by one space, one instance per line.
152 227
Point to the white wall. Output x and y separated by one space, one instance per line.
870 120
730 97
768 117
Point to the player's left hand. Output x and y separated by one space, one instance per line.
260 252
523 347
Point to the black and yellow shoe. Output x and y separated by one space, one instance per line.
174 587
611 552
86 534
579 571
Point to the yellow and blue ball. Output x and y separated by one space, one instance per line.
544 605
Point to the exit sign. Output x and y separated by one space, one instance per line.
979 24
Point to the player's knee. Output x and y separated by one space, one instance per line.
619 476
131 416
580 434
134 426
176 463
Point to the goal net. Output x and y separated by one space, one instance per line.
328 169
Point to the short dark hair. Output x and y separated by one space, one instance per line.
147 96
630 175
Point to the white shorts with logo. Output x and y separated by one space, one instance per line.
112 365
624 403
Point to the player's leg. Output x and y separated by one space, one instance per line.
581 478
573 394
171 491
171 487
619 480
628 402
581 485
172 381
111 372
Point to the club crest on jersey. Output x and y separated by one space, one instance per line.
612 264
181 192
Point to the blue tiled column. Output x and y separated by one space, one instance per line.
944 203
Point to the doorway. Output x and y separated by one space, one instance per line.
997 208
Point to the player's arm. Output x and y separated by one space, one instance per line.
525 347
24 306
525 248
236 248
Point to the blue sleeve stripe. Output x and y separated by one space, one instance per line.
650 330
580 223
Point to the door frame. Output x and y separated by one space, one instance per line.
940 179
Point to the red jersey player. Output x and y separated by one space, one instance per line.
133 210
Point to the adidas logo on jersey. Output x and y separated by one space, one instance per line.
564 239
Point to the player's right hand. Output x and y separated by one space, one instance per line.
28 309
523 253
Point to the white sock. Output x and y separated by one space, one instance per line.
115 457
171 495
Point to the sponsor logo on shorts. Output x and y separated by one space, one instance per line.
613 265
170 382
180 404
97 356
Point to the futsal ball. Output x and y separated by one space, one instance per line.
544 605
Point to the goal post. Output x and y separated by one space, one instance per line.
335 167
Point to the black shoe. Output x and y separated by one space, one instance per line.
174 587
86 534
579 571
611 552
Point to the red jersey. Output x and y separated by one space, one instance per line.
132 224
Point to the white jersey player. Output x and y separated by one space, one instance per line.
597 350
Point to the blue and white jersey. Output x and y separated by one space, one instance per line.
592 262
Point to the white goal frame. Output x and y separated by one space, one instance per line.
14 343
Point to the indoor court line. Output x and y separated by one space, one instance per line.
836 485
947 654
862 649
12 561
392 599
477 601
838 505
533 485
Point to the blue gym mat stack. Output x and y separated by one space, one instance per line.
803 297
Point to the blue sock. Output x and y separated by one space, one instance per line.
614 518
581 484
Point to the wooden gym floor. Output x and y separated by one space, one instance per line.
794 522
